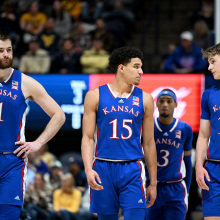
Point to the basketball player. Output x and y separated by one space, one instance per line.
15 88
173 140
208 143
118 112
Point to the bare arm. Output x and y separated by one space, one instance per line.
87 147
201 149
34 90
149 146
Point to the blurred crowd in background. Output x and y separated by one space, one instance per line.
77 36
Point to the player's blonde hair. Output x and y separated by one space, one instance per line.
211 51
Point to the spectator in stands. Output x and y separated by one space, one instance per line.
40 166
73 7
75 168
202 34
91 10
206 13
84 213
25 37
38 199
95 60
56 174
49 40
47 156
8 21
66 200
35 17
120 19
102 32
36 60
80 35
68 60
31 172
62 19
187 58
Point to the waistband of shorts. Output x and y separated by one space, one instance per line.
213 161
118 161
6 153
172 181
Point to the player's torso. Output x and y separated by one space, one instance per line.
214 108
12 109
119 122
170 148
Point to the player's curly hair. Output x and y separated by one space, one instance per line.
123 55
4 36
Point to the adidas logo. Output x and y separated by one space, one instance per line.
140 201
165 134
121 101
17 198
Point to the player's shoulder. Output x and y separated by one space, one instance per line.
185 126
147 98
211 89
92 97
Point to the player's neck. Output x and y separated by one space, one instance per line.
165 121
120 89
4 74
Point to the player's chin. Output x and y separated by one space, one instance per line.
136 83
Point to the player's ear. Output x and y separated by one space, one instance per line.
121 67
176 104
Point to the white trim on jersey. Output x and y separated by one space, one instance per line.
183 168
143 177
22 133
186 195
12 70
25 176
132 89
171 130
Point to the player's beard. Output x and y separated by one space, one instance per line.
164 115
4 65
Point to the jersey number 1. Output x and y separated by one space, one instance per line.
1 106
124 125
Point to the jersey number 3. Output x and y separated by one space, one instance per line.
124 125
164 157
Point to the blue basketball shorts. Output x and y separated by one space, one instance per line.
171 202
12 179
123 184
211 197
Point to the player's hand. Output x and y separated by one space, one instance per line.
92 176
201 172
26 148
152 193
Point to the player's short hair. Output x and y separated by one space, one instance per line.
123 55
4 36
211 51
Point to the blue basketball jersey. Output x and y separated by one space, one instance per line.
119 122
12 112
210 105
171 142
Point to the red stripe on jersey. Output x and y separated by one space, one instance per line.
184 192
18 136
141 179
22 177
132 93
10 77
110 92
